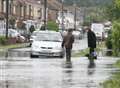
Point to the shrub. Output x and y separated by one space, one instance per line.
109 40
116 38
3 40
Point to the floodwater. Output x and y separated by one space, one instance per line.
18 70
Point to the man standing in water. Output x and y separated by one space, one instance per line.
91 41
68 41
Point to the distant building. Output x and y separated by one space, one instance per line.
69 18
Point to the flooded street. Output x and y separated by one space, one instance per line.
44 72
18 70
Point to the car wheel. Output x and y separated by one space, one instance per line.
62 56
33 56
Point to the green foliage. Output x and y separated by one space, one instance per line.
117 3
109 40
89 3
51 25
116 38
117 64
112 83
94 14
2 40
113 11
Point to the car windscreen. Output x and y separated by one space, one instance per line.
56 37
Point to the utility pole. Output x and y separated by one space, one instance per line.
75 15
45 13
62 16
7 17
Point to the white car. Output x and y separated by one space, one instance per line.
47 43
34 35
76 33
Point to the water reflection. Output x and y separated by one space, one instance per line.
91 71
67 79
91 67
18 54
3 53
16 84
10 53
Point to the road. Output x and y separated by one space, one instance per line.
18 70
25 72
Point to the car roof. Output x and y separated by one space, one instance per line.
46 32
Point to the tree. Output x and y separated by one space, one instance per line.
113 11
89 3
51 25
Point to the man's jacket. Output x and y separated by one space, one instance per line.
91 39
68 41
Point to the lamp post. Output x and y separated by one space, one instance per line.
45 12
62 16
7 17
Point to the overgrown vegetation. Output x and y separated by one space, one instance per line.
113 13
116 38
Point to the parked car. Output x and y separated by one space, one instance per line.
13 34
47 43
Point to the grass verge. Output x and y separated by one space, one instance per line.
5 47
81 53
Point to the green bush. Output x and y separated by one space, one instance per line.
3 40
109 40
51 25
116 38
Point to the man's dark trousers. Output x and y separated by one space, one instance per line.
91 50
68 55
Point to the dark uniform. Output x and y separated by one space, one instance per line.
67 43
